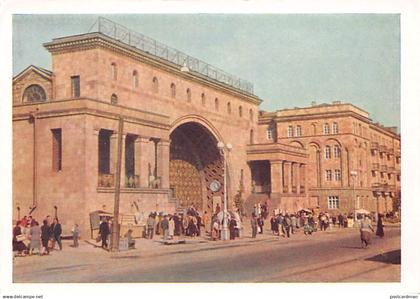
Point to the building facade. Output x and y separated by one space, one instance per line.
169 117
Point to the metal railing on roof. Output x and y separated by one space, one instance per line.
153 47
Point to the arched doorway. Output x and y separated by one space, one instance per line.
195 163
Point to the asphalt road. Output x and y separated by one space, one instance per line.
323 257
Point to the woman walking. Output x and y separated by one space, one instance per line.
380 227
35 236
365 231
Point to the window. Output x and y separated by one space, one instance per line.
313 129
251 137
397 160
269 134
203 99
298 131
333 202
388 157
135 79
251 115
56 149
398 177
113 71
240 111
290 131
34 93
327 152
328 175
326 129
216 104
373 173
337 152
335 128
75 86
155 85
114 99
104 151
382 175
173 90
229 108
389 176
337 175
188 95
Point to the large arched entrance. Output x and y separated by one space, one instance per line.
195 163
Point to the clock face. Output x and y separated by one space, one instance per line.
34 93
215 186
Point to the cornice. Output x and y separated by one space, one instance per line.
98 40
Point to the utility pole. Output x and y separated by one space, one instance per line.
115 238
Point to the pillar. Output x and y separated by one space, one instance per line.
288 170
138 155
163 163
318 168
276 176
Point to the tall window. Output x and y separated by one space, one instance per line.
114 99
188 95
290 131
314 129
335 128
56 149
216 104
229 108
326 129
327 152
155 85
251 115
113 71
328 175
173 90
337 175
75 86
298 131
104 151
336 150
333 202
203 99
135 79
240 111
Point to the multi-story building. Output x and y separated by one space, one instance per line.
116 102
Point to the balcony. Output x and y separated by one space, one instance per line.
105 180
375 166
374 146
132 181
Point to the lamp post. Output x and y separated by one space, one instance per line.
353 174
225 149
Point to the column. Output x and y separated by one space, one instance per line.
138 155
276 176
298 177
318 168
289 176
163 163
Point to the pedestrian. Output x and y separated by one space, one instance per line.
35 237
75 231
215 230
218 209
274 225
260 221
129 236
178 225
18 238
56 234
164 224
254 225
45 237
365 231
287 222
380 227
150 225
232 228
206 222
171 227
293 223
104 232
334 220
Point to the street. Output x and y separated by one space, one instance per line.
331 256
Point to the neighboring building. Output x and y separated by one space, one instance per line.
174 109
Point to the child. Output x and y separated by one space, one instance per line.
76 235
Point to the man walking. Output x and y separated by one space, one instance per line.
104 232
56 233
150 226
254 225
164 224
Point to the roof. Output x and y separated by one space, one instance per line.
41 71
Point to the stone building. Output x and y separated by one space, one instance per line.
173 110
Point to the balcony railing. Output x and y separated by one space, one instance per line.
132 181
105 180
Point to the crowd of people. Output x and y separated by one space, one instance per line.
29 237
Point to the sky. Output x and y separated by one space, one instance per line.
291 59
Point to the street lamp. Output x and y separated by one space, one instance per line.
353 174
225 149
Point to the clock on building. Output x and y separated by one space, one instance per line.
215 186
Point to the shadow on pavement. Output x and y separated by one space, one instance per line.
390 257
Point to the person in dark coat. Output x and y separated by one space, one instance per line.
18 246
232 227
261 223
104 232
274 225
56 233
380 227
45 236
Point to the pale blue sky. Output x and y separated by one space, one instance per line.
291 59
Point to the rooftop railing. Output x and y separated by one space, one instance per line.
155 48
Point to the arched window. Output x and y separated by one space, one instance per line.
114 99
173 90
327 152
34 93
135 79
216 104
155 84
251 136
240 111
203 99
114 71
326 129
188 95
229 108
251 115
